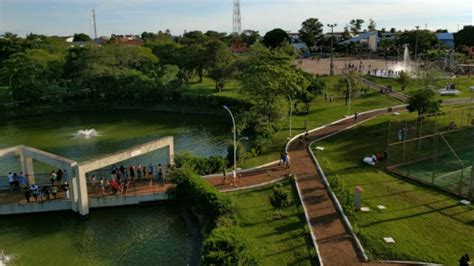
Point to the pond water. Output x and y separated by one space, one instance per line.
137 235
201 135
150 235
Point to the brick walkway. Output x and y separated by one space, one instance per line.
335 242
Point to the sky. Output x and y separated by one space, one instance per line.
66 17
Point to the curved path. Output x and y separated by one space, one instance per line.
335 243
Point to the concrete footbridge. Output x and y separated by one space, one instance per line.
81 195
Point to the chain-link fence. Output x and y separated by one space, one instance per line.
435 149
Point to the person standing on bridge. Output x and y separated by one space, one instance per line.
356 116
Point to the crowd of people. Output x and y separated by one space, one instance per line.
115 181
46 192
122 178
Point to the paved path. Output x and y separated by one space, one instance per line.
394 94
335 242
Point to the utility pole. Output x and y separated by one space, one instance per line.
95 25
331 71
416 49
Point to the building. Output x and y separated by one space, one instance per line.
128 40
370 39
299 45
447 38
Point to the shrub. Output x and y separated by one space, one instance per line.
193 191
280 198
226 246
344 196
201 165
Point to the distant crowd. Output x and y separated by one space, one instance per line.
19 183
115 181
122 178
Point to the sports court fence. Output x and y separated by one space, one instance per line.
435 149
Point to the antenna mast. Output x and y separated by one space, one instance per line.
237 21
95 26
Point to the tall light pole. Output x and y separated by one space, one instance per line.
291 112
331 70
235 137
416 49
349 102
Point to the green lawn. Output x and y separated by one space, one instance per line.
462 84
207 87
426 224
275 242
321 112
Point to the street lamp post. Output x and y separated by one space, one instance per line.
10 88
331 70
235 137
416 49
291 112
350 95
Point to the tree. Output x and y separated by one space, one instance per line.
356 25
426 40
11 44
464 37
275 38
249 37
431 78
280 197
267 80
403 80
424 101
240 153
347 32
81 37
346 89
306 98
29 73
219 62
315 87
311 31
372 25
226 246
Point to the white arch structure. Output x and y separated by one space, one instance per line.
77 171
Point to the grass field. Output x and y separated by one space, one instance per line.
321 112
427 225
448 173
274 242
462 84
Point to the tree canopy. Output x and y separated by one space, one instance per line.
81 37
311 31
275 38
465 37
424 102
426 40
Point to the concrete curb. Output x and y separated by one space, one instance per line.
255 186
308 223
